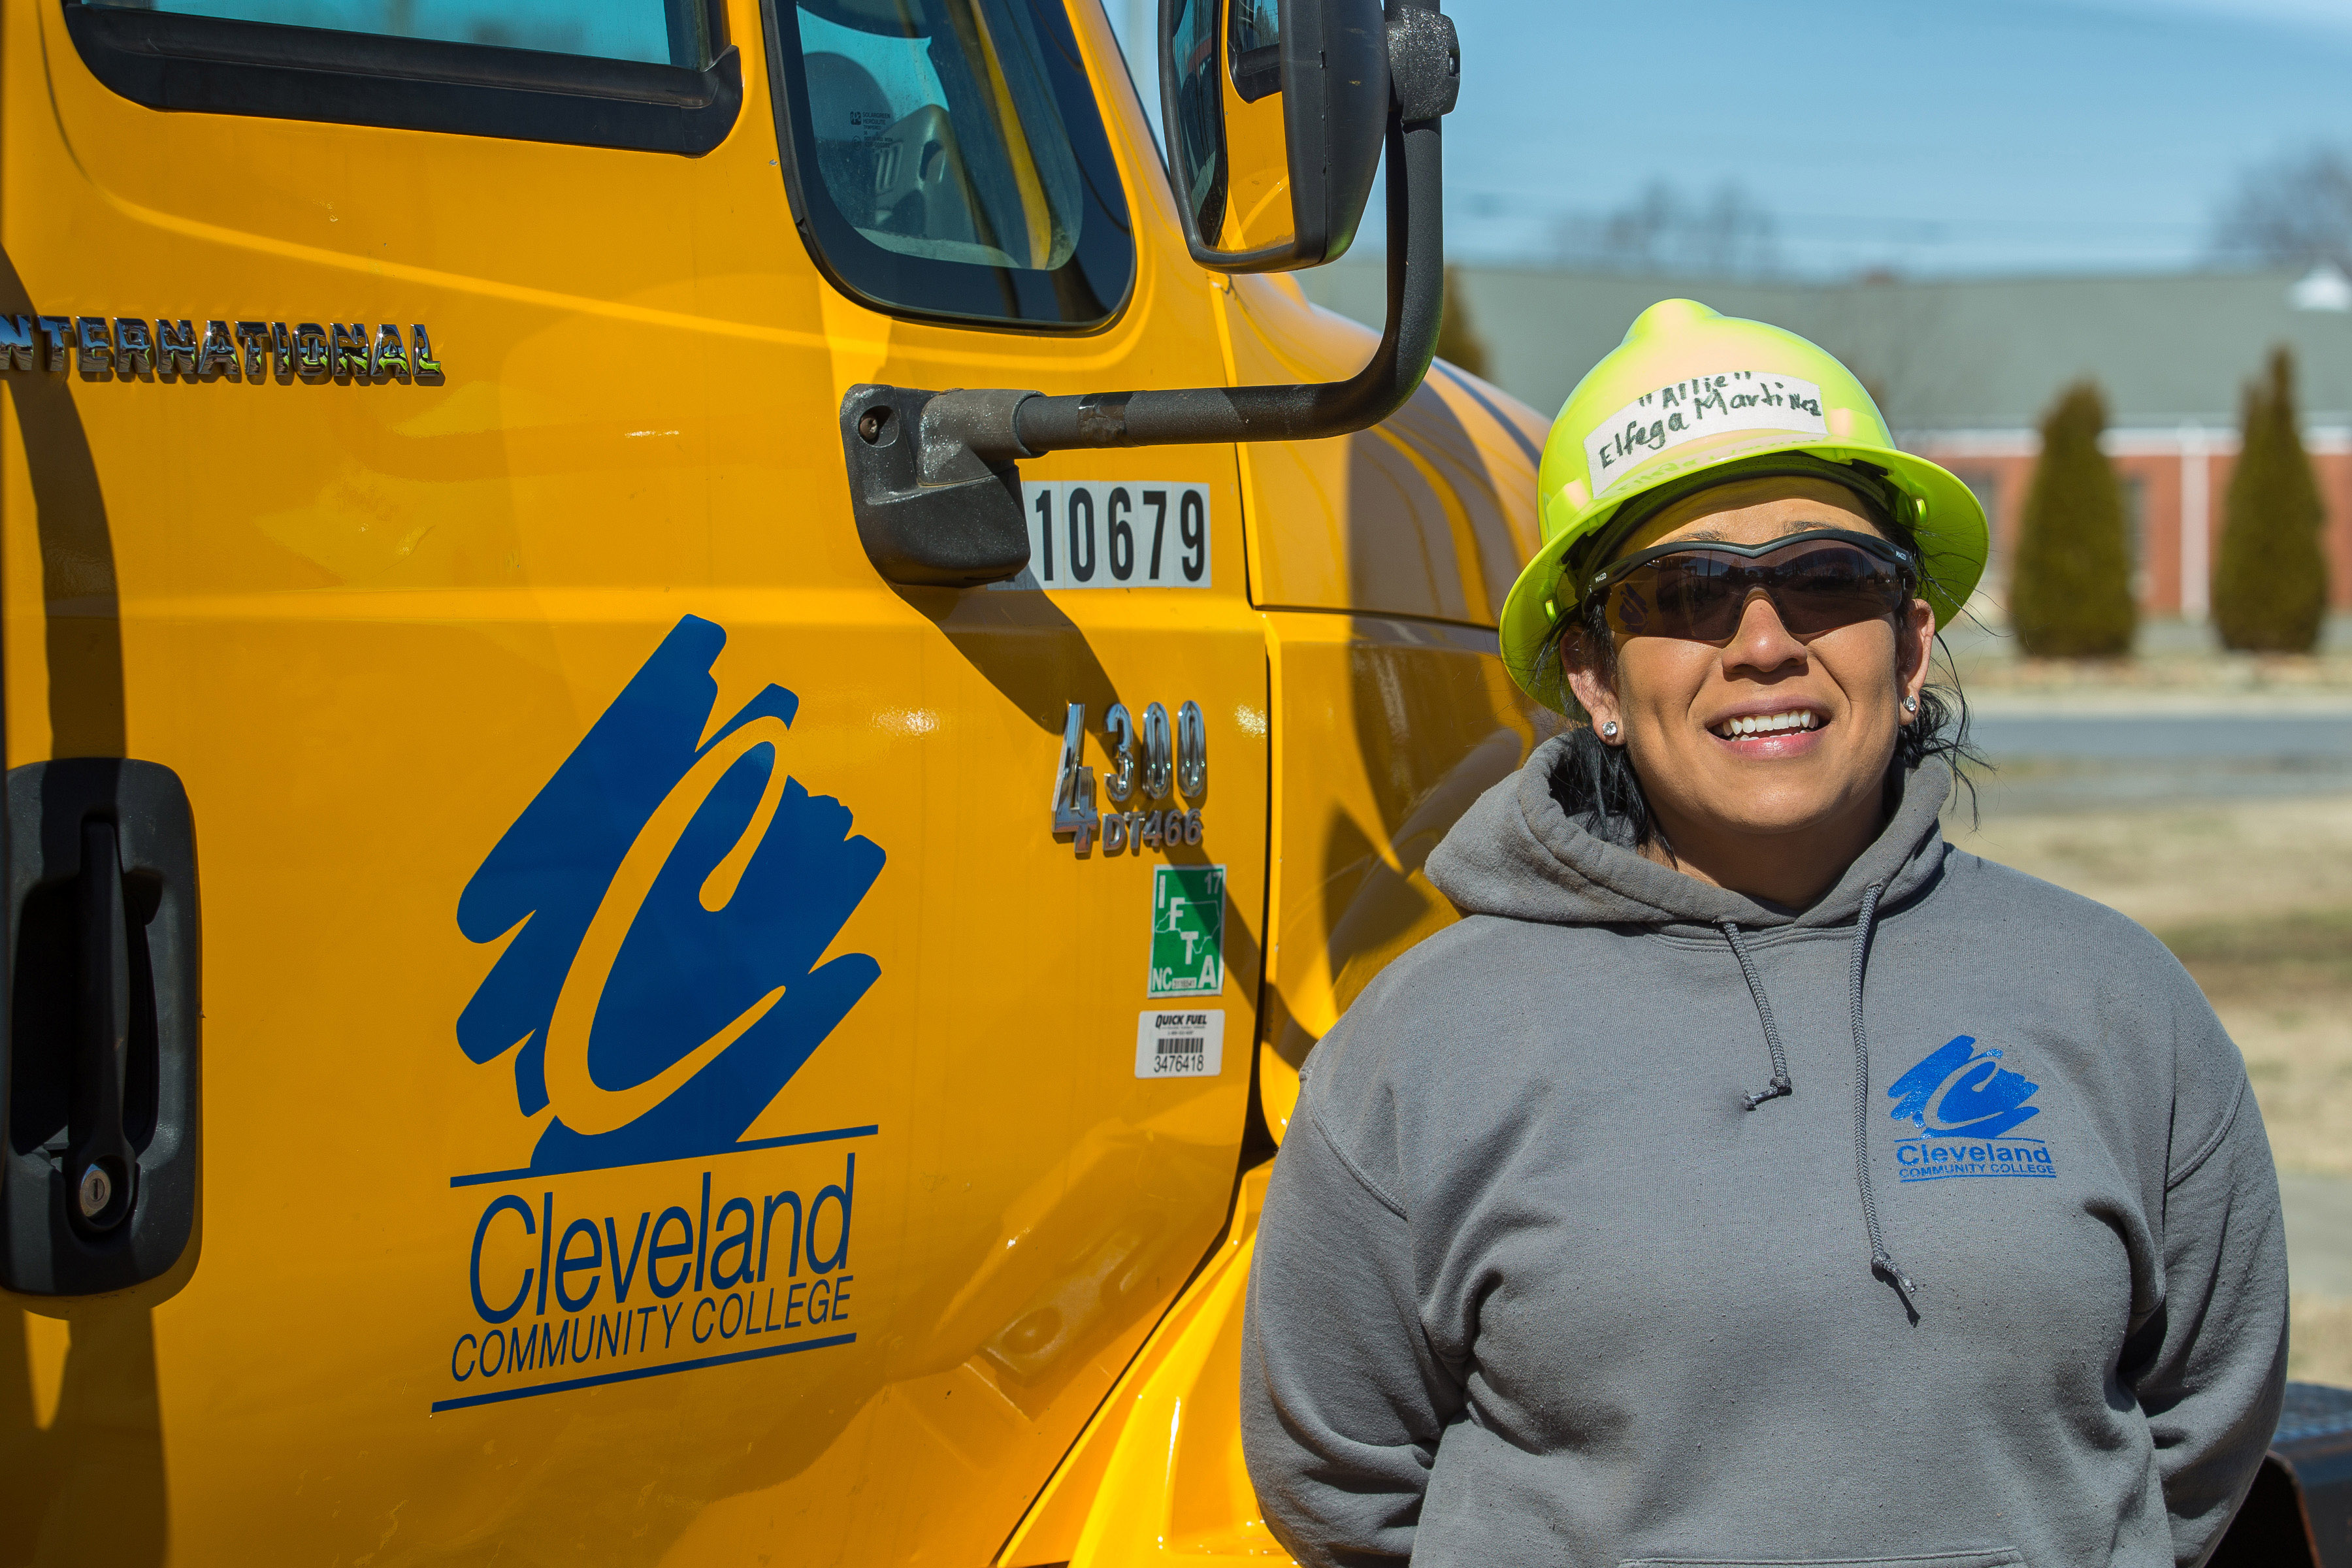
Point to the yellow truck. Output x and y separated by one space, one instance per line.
635 933
703 699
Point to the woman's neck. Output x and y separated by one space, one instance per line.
1790 869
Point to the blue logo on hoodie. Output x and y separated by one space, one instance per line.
669 898
1963 1103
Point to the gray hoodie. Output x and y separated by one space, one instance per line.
1536 1283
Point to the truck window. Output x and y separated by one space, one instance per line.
949 159
654 75
667 32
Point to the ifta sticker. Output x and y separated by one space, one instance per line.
1188 930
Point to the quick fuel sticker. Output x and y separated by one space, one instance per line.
1188 930
1180 1045
1659 421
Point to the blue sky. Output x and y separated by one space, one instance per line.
1965 136
1981 135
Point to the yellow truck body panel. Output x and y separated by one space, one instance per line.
668 1095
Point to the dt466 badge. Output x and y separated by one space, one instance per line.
1146 758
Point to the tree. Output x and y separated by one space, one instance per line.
2069 588
1727 235
2293 211
1457 339
2270 586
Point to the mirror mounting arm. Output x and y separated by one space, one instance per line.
944 509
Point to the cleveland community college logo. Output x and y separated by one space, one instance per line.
666 900
1965 1108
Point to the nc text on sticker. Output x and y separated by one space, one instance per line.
1704 405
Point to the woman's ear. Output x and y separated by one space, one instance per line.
1914 640
1593 690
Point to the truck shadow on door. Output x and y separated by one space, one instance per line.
83 631
81 1441
81 1431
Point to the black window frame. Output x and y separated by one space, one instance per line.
956 293
212 65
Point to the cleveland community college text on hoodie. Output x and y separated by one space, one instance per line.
1536 1285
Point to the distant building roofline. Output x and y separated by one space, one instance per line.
2284 277
2128 441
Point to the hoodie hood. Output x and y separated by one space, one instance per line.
1519 853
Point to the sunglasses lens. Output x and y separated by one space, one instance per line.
1689 596
1828 587
1699 595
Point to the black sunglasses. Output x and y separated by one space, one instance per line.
1817 582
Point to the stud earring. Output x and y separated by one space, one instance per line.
1609 731
1910 705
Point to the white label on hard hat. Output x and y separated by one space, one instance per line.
1704 405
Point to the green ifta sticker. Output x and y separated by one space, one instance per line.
1188 930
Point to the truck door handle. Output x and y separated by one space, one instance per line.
104 1016
101 1170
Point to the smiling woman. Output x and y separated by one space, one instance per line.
1759 654
1547 1274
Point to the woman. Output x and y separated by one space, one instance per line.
1748 1177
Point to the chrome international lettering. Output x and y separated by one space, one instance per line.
170 349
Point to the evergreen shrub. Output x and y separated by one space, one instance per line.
2070 593
2270 585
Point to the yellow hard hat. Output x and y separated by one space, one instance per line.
1690 394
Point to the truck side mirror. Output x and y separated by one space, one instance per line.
934 477
1276 110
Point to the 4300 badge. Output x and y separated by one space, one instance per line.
1150 763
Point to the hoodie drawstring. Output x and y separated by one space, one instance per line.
1882 1262
1780 1084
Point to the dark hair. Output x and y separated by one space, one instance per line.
1602 791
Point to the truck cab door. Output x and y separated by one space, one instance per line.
690 1071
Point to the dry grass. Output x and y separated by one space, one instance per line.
2283 986
2187 865
2319 1347
2203 672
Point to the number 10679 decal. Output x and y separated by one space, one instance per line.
1090 534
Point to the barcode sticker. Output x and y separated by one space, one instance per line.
1124 534
1180 1044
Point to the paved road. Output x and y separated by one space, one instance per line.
2170 754
2275 738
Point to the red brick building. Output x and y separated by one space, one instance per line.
1964 370
2174 483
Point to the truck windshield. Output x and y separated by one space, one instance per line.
665 32
943 149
